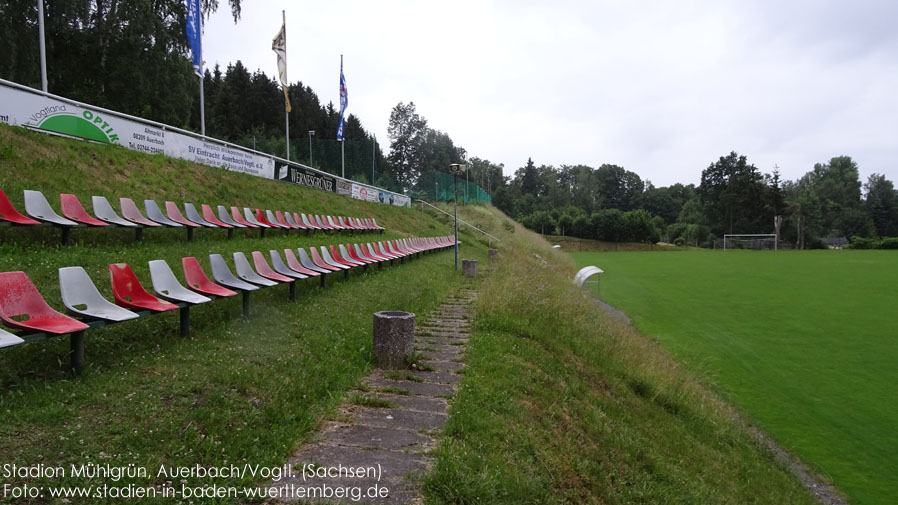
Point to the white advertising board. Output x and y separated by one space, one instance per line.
38 112
362 192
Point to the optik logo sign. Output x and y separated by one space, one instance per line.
88 125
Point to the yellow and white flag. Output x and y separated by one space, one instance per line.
279 46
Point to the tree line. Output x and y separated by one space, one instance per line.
614 204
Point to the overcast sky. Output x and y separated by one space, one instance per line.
662 88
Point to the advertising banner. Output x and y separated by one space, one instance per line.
304 177
390 198
344 187
38 112
360 192
221 155
402 201
386 197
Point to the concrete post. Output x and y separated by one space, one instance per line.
469 268
394 334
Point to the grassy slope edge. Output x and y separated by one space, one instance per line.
561 404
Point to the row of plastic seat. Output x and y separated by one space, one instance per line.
74 215
23 308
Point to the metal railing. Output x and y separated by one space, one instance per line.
423 203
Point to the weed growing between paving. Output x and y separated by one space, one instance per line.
371 401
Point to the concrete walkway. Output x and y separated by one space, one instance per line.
378 449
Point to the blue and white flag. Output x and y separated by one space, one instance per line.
194 35
344 100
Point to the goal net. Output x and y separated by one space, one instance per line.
752 241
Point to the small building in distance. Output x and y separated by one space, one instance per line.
837 243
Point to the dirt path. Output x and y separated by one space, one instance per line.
378 449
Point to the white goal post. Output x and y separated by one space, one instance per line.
755 237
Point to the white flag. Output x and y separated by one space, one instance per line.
279 46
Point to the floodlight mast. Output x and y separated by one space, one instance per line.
456 169
311 134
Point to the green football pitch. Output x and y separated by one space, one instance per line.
804 344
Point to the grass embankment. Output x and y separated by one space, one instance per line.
802 342
561 404
235 391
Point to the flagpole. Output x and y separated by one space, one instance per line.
286 112
202 109
40 29
373 157
202 98
342 141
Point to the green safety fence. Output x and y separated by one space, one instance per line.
360 155
440 187
363 163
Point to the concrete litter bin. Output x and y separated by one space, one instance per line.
394 334
469 268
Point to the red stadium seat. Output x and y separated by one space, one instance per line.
379 250
19 297
132 213
260 217
279 217
336 256
72 209
263 269
209 216
198 282
294 263
235 214
174 213
352 251
320 263
298 222
10 214
130 294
